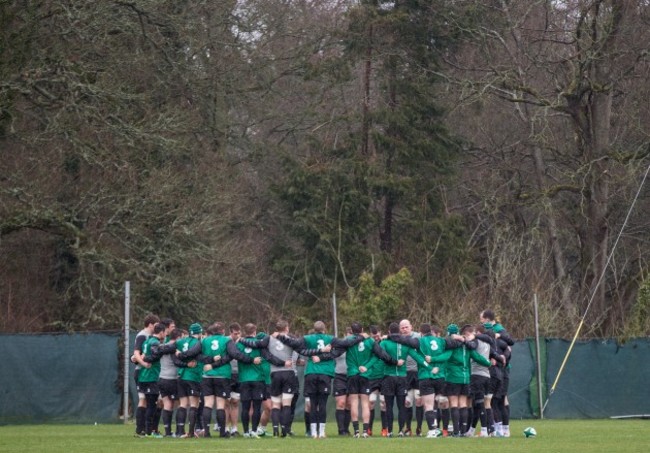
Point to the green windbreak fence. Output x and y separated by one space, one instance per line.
60 378
78 379
600 379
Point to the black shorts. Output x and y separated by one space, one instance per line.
188 388
219 387
234 383
267 391
432 386
168 388
149 388
252 390
375 385
394 386
452 389
340 385
479 386
284 381
136 376
412 380
358 385
317 384
495 387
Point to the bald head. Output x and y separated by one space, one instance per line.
405 327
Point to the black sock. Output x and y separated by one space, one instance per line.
221 421
245 415
419 417
431 419
505 415
181 415
167 421
308 422
140 415
446 416
156 418
285 420
490 420
207 418
355 427
346 421
401 411
389 412
257 414
384 419
192 419
455 419
150 413
408 417
372 419
340 420
463 419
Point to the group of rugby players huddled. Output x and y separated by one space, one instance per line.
452 379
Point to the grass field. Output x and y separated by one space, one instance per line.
574 436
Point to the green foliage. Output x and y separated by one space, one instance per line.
372 303
326 224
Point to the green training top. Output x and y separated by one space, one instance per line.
152 373
185 373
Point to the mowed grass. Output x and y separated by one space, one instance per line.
574 436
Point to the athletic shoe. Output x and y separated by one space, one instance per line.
234 433
506 433
389 435
433 433
253 435
216 426
365 435
370 432
445 433
322 436
154 436
407 432
384 432
401 434
418 432
357 435
140 435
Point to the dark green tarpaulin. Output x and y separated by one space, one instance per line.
600 379
60 378
77 379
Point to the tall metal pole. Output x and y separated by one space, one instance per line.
336 324
127 358
539 362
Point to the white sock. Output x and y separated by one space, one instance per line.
321 429
314 429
